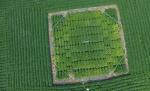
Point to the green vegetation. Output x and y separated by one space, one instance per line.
87 42
24 47
111 13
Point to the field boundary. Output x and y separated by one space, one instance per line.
51 39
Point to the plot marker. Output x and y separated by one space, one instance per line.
87 89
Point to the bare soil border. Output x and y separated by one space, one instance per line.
72 79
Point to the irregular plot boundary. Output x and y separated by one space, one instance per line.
51 39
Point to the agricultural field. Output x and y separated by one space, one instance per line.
85 41
25 56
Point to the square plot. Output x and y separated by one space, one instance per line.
87 44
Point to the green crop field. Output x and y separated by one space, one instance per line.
87 42
25 62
